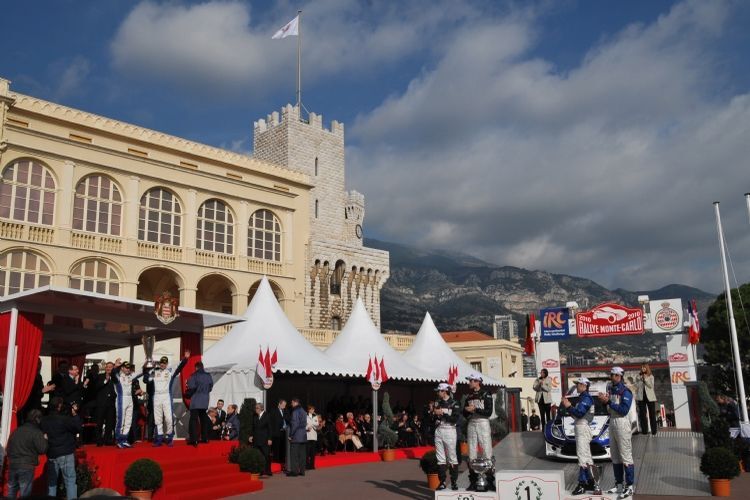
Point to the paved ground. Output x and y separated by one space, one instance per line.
666 472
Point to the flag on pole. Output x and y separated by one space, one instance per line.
383 374
529 347
694 331
265 365
289 29
452 376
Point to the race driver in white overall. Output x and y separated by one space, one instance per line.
619 399
446 411
123 377
163 378
478 411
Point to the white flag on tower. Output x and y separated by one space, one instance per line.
289 29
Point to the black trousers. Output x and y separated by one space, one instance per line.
645 420
312 449
198 421
544 413
266 451
279 448
298 452
105 423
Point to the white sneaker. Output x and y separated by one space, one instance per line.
617 489
126 444
627 492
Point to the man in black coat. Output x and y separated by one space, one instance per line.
261 438
25 445
61 427
72 387
106 397
279 426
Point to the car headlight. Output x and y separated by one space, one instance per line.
605 434
557 432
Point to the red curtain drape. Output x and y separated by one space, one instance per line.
192 342
28 346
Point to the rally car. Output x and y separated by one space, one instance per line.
560 435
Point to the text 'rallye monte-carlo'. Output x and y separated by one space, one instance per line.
560 434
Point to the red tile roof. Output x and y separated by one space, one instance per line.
465 336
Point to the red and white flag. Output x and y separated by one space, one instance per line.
694 330
452 376
376 373
264 368
529 347
383 374
289 29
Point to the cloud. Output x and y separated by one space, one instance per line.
217 46
607 170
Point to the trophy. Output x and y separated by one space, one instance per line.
482 466
596 475
148 342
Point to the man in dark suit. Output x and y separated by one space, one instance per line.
221 414
106 396
261 437
279 427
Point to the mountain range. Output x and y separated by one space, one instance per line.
462 292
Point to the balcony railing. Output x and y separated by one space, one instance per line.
89 241
26 232
216 332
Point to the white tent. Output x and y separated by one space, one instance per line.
233 359
430 352
360 339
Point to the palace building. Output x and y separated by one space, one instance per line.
92 203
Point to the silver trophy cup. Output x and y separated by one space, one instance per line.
596 474
482 466
148 342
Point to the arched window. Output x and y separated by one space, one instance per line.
160 217
97 207
95 275
336 323
21 270
215 231
27 193
264 236
337 276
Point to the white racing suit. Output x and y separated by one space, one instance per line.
478 432
445 439
163 381
621 433
583 412
124 387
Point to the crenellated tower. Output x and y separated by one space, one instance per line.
340 267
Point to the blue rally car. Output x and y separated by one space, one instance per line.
560 435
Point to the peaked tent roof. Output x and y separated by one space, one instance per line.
431 352
360 339
266 326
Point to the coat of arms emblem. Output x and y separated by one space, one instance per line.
165 307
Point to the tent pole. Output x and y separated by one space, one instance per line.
10 370
374 421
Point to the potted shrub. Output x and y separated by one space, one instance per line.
716 434
720 465
387 437
247 412
741 449
428 464
251 460
143 477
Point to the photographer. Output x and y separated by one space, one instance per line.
61 428
646 400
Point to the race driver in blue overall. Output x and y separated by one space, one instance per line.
619 399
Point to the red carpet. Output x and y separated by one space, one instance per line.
200 473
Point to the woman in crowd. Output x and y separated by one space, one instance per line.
346 430
313 426
646 400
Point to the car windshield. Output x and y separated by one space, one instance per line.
599 407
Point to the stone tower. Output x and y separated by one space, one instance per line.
340 268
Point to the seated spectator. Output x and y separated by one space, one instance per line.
231 429
405 430
214 431
327 437
365 429
346 431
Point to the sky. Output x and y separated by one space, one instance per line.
580 137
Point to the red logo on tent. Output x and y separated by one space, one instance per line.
609 319
678 357
550 363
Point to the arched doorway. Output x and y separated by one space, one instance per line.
277 291
214 293
152 282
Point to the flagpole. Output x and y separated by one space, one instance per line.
374 421
732 324
747 200
299 64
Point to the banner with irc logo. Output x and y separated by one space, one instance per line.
554 324
681 370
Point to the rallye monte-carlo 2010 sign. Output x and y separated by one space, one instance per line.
610 319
